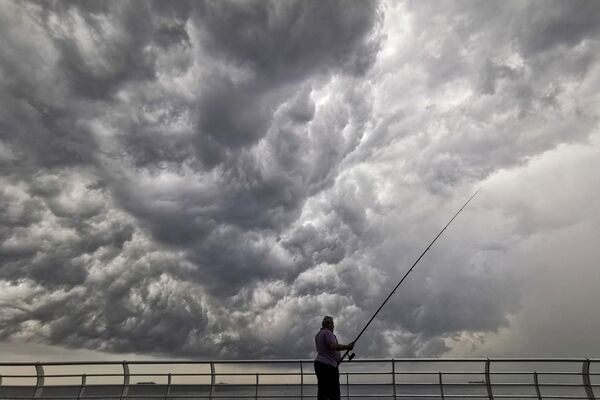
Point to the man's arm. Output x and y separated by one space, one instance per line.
334 345
338 347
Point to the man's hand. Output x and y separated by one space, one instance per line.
350 346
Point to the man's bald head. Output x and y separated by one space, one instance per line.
327 322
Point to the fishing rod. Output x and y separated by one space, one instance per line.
351 356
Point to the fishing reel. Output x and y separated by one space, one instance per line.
351 356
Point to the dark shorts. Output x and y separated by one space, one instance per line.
328 378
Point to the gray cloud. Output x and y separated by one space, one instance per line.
210 178
286 40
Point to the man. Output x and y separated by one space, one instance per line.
326 363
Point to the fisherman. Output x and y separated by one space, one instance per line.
326 363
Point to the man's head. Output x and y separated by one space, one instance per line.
327 323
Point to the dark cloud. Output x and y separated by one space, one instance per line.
208 179
107 111
101 60
563 24
288 40
49 229
273 46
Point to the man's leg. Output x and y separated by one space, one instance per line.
335 394
332 383
321 373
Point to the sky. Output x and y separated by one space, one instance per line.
208 179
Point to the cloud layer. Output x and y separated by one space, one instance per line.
208 179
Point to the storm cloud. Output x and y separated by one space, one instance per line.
208 179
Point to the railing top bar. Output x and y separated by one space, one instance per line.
296 361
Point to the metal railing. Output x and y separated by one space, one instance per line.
500 378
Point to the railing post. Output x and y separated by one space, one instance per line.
488 381
256 392
39 383
537 385
82 387
441 384
168 392
212 380
394 377
301 381
347 385
125 379
585 373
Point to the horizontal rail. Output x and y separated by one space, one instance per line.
447 373
289 361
